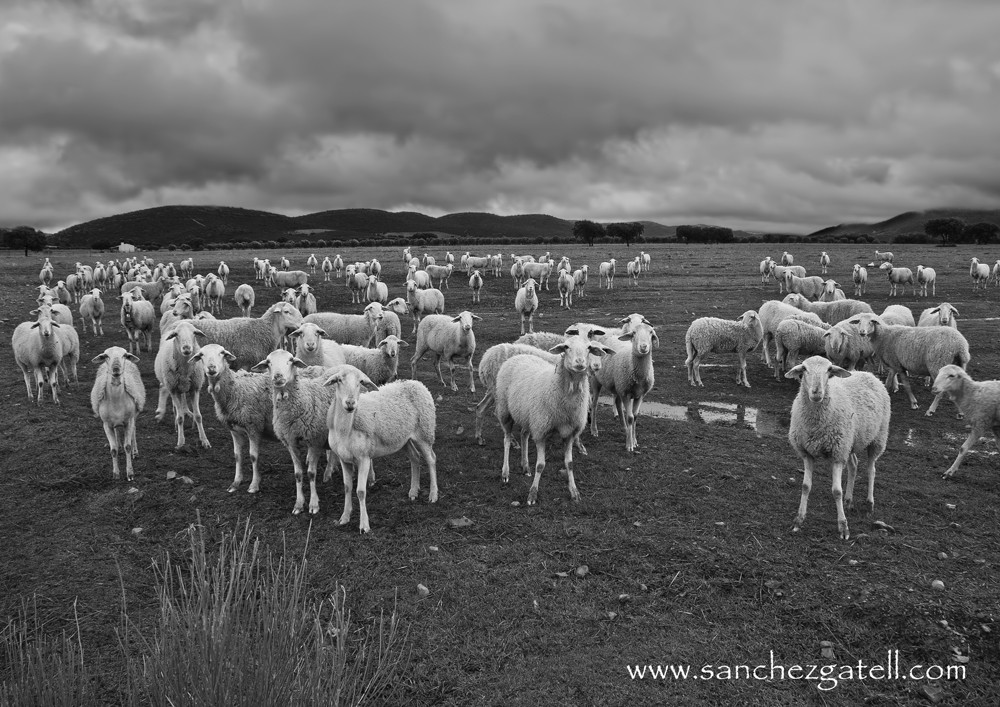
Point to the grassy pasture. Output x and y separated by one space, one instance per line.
687 546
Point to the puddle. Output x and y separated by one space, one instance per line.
716 413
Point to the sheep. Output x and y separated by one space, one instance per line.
837 414
312 349
580 281
169 296
925 277
897 314
356 329
824 262
327 268
845 347
57 312
476 285
898 277
980 274
137 317
918 351
633 269
942 315
796 339
441 272
539 272
765 269
470 261
181 309
787 258
832 292
627 375
117 398
215 290
289 278
380 363
150 290
645 260
995 273
564 265
714 335
526 303
565 285
811 287
245 299
223 272
543 400
860 279
180 380
423 302
450 338
357 283
252 339
977 401
885 257
778 273
388 325
284 264
607 273
517 272
543 340
494 357
312 262
377 291
375 268
305 300
63 293
829 312
771 314
338 265
39 354
92 309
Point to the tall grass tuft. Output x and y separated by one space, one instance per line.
38 668
238 627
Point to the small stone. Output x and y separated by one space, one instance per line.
515 503
582 571
944 623
462 522
562 574
720 523
852 563
955 525
933 693
534 604
963 659
612 615
133 489
624 597
187 480
950 506
637 524
937 585
942 555
136 531
460 430
171 475
434 548
423 591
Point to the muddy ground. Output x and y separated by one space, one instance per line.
689 555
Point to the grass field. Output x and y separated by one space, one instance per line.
687 546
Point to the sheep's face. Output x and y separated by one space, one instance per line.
215 359
280 367
347 384
390 345
948 380
183 335
115 356
308 337
866 324
814 374
642 338
465 320
44 327
374 312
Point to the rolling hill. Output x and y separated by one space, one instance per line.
907 222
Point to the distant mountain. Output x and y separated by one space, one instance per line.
908 222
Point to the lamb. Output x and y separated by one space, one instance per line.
565 284
627 375
765 269
356 329
897 314
92 309
543 400
787 258
844 346
420 303
476 284
138 318
778 273
388 325
885 257
925 277
380 363
245 299
38 352
366 426
450 338
977 401
633 269
832 292
517 272
645 260
327 268
829 312
795 339
837 414
357 283
180 380
918 351
539 272
942 315
860 279
771 314
824 262
714 335
898 277
980 274
526 303
441 273
117 398
312 262
250 340
811 287
150 290
288 278
607 273
580 281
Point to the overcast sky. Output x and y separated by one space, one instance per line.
763 114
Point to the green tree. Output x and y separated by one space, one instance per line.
24 237
626 232
588 231
949 230
982 233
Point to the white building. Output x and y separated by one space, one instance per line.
126 248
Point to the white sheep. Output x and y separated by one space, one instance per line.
526 303
918 351
580 281
832 292
313 349
771 314
795 340
517 272
811 287
544 400
765 269
380 363
290 278
117 398
312 262
223 272
245 299
489 366
138 317
633 270
38 352
607 273
714 335
440 272
787 258
778 273
845 347
925 277
327 268
367 426
980 274
645 260
357 329
92 310
627 375
389 324
252 339
377 291
977 401
897 314
284 263
305 300
885 257
357 283
942 315
476 285
837 415
60 314
423 302
180 380
338 265
215 290
898 278
565 285
449 338
829 312
860 277
824 262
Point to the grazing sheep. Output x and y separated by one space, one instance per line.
357 329
714 335
245 299
787 258
377 291
811 287
837 415
539 272
845 347
925 277
565 284
765 269
942 315
471 261
252 339
917 351
885 257
476 284
580 281
544 400
117 398
980 274
897 314
607 273
38 352
423 302
290 278
627 375
543 340
824 262
977 401
92 309
367 426
180 380
832 292
138 318
526 303
771 314
898 277
796 339
450 338
829 312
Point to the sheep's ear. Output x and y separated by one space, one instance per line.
259 367
199 332
596 332
935 310
559 348
322 333
627 336
477 317
572 331
334 379
955 312
796 372
400 342
57 325
456 319
656 339
297 363
197 357
132 357
367 383
34 311
600 349
99 358
838 372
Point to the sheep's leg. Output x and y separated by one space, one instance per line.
531 323
53 376
130 448
505 470
451 374
852 475
472 380
364 464
312 465
238 455
905 380
934 403
522 323
99 324
636 403
196 411
481 411
300 498
437 364
161 406
540 467
766 345
568 464
595 391
27 383
414 454
112 436
974 434
524 453
807 464
180 412
347 470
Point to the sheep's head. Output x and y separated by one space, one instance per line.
529 286
814 374
887 266
373 312
390 345
115 356
577 351
184 334
397 306
280 368
288 314
465 320
347 383
643 337
44 326
867 324
949 379
215 359
307 336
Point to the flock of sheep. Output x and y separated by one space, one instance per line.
841 410
322 383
